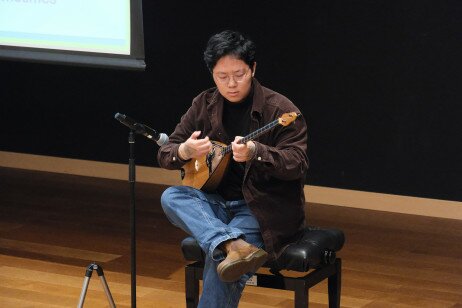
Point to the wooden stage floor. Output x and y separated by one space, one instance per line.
53 225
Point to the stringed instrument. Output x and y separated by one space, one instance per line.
205 173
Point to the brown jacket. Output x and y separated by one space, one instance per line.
274 178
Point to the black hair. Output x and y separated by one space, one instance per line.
230 43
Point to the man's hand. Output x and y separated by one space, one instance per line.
242 152
193 147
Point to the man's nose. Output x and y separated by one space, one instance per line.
232 83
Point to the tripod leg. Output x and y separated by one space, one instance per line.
84 292
86 281
100 272
107 291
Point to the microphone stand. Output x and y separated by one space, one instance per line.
160 139
132 180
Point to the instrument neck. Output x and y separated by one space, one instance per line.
251 136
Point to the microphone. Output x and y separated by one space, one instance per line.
142 129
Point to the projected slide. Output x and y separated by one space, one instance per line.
101 26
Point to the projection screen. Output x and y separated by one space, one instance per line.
106 33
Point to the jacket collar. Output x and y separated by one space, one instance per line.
215 99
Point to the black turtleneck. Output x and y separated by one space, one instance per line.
236 122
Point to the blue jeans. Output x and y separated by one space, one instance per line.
211 221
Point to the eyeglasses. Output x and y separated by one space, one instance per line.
237 77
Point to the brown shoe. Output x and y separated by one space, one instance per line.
240 261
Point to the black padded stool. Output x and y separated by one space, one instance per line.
315 250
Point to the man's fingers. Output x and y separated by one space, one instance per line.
195 134
237 147
201 142
241 151
204 148
238 158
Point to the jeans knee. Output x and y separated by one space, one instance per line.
174 197
167 196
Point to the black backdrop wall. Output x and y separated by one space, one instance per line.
378 81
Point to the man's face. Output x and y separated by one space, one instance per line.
233 78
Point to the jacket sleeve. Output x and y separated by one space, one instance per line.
287 158
167 156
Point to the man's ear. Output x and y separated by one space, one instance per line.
254 68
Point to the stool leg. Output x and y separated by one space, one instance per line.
334 285
192 287
301 294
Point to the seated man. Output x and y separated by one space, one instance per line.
258 206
